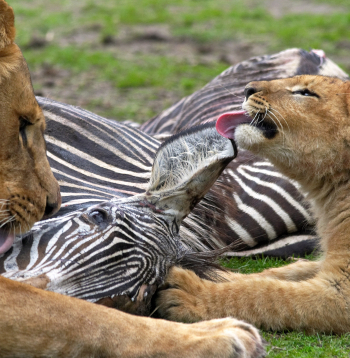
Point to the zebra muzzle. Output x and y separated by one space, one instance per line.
140 306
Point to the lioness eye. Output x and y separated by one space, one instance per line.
305 92
23 123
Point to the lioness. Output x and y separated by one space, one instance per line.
28 189
301 124
37 323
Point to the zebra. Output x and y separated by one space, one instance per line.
252 205
119 251
113 164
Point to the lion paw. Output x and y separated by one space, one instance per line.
186 297
226 337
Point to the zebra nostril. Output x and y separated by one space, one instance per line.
249 91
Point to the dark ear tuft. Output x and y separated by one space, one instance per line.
7 25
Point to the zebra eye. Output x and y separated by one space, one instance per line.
98 216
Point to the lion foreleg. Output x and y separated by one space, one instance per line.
320 304
38 323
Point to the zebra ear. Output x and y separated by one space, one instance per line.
186 166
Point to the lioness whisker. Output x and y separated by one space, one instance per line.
254 119
279 122
273 109
9 220
281 126
226 89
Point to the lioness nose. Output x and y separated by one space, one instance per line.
249 91
52 208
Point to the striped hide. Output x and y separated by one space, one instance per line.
225 92
119 251
95 159
114 160
271 216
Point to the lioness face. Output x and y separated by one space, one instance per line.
28 189
302 124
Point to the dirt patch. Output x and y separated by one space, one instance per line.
100 96
86 90
279 8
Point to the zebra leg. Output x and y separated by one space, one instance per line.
297 271
38 323
320 304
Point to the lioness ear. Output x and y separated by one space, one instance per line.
7 25
185 167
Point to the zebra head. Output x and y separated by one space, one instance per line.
119 252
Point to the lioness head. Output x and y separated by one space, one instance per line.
302 124
28 189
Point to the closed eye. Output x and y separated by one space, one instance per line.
306 92
23 123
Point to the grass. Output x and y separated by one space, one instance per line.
292 344
212 24
137 83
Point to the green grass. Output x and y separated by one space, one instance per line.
252 265
205 22
292 344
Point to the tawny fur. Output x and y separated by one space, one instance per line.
27 184
37 323
312 146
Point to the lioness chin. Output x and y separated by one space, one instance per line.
301 124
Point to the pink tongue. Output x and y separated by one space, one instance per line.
227 123
6 241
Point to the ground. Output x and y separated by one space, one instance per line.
128 61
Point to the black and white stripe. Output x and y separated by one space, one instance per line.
258 204
95 159
90 260
118 247
123 242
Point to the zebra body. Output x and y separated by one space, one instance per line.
95 249
115 160
124 247
95 159
252 205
